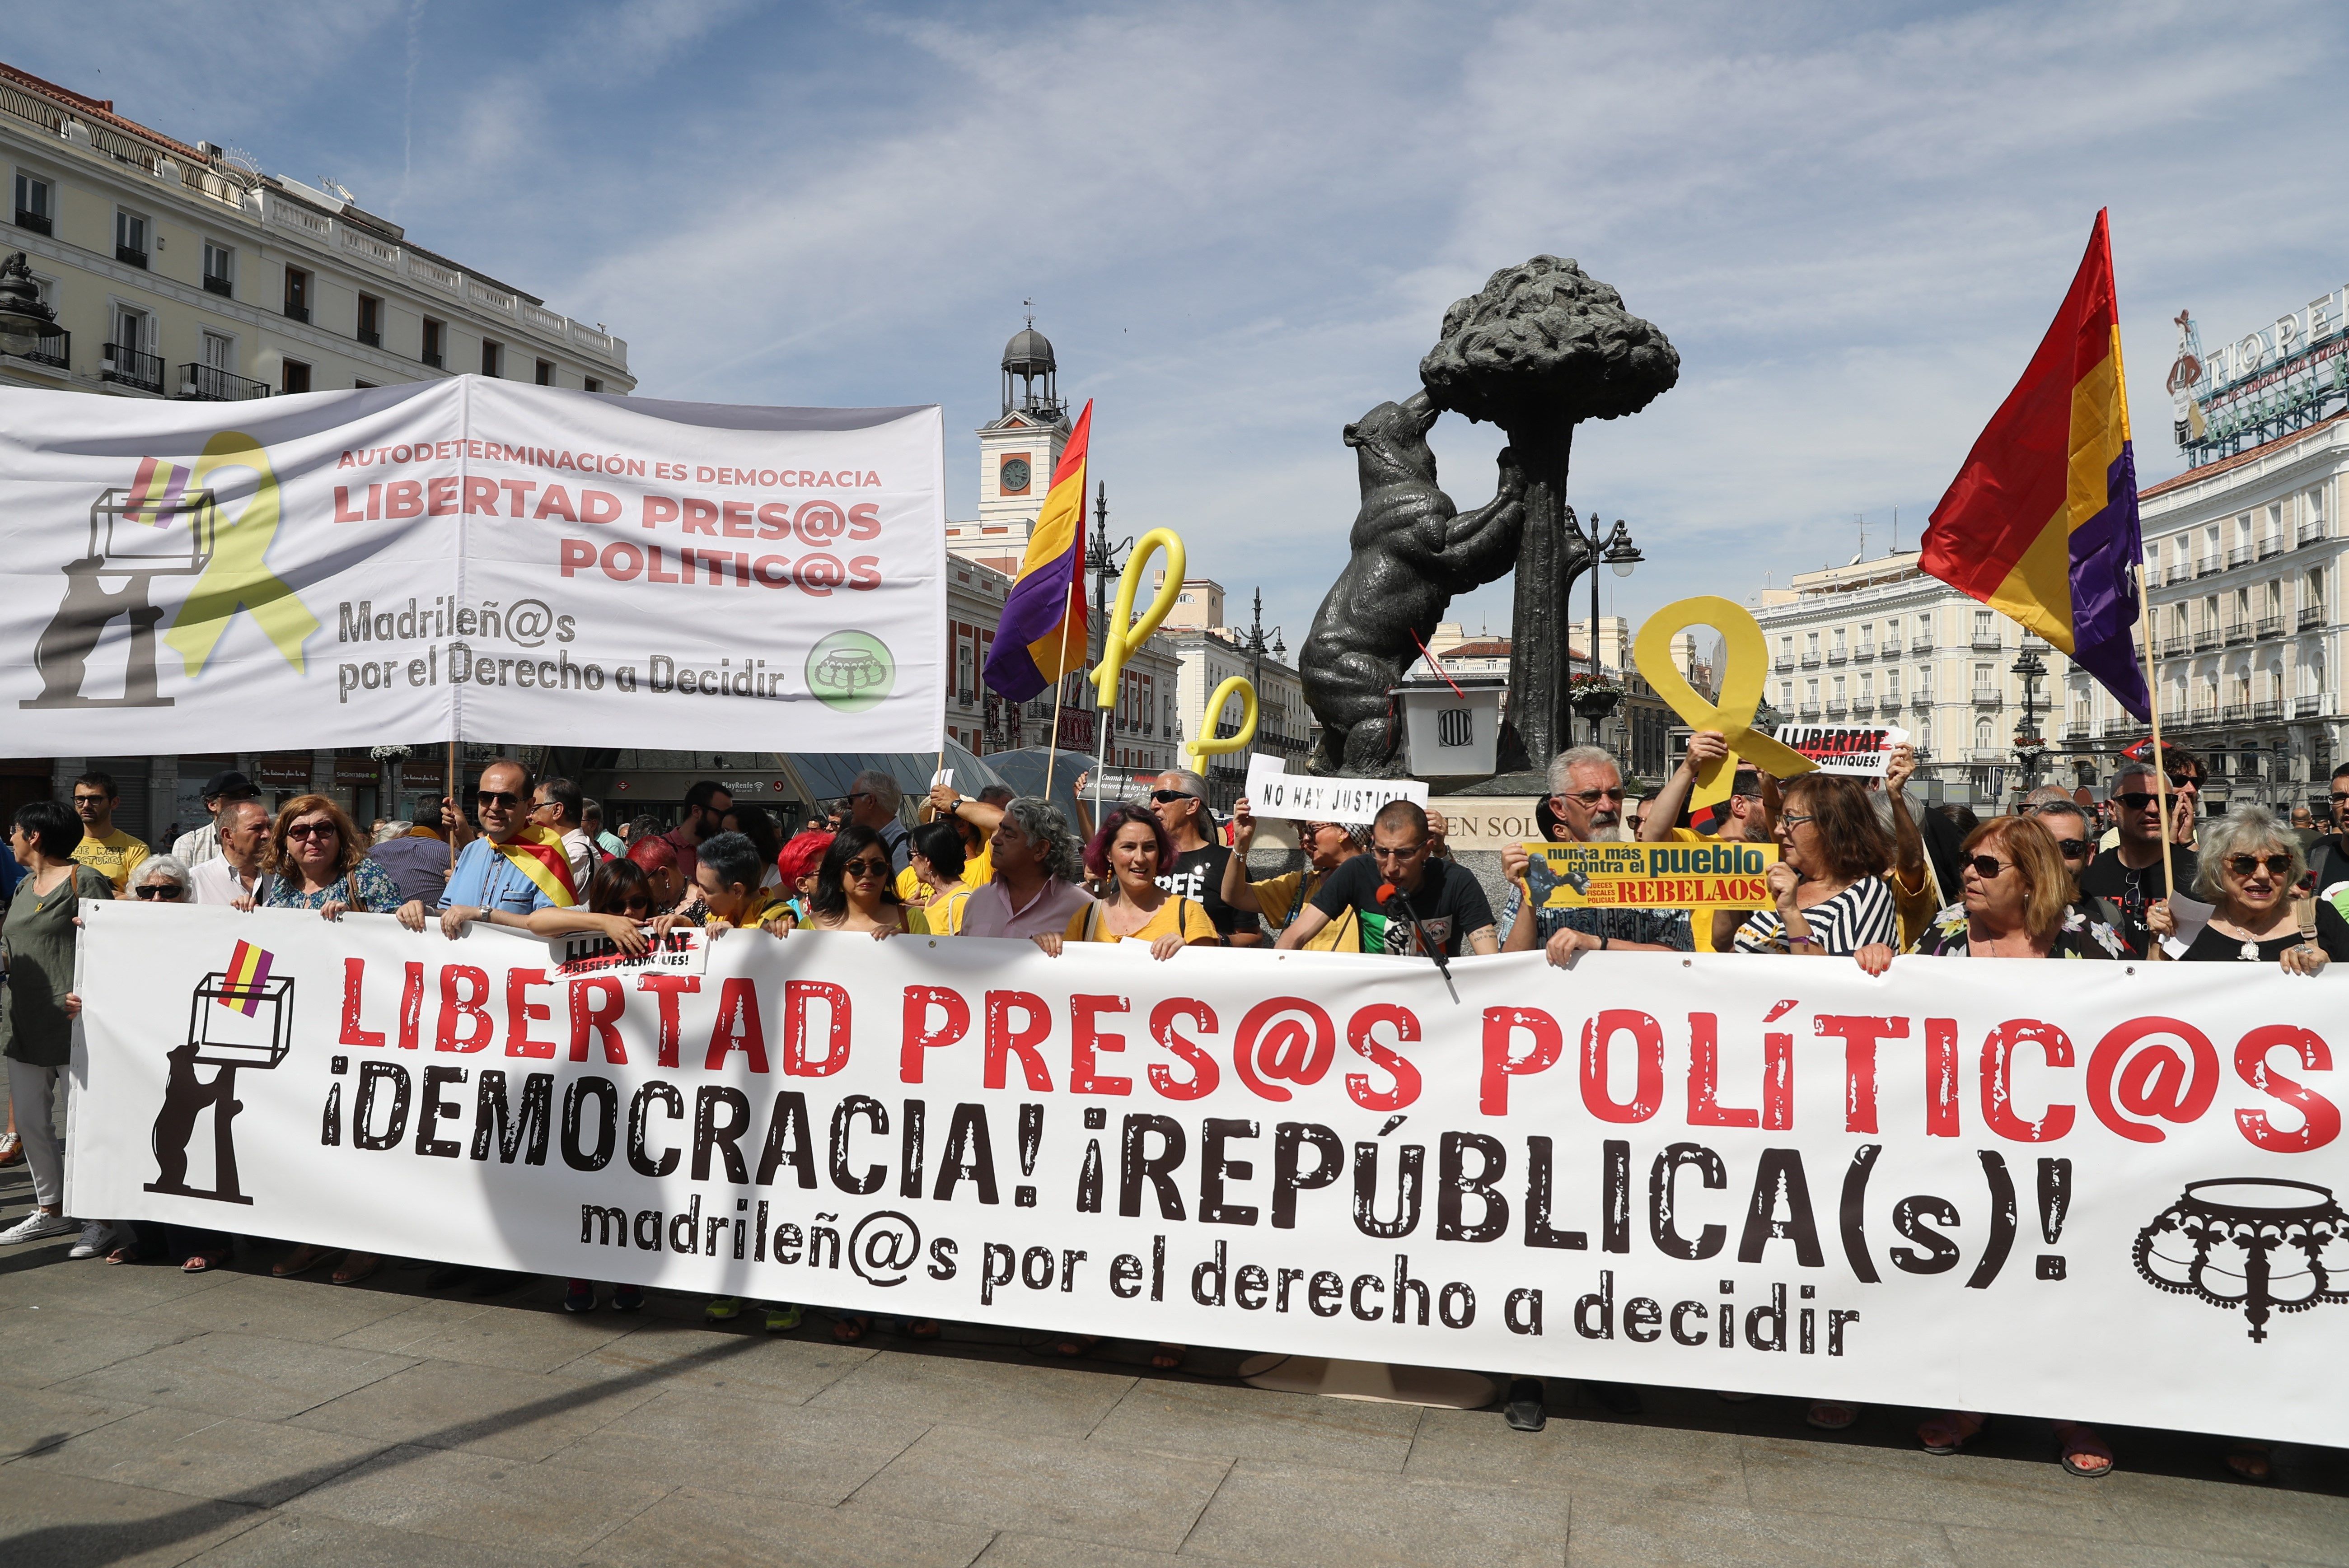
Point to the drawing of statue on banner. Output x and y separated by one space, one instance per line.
169 521
239 1016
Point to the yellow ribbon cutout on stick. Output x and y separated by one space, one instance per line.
1212 745
1118 639
239 576
1744 667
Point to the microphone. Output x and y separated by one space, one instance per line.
1389 891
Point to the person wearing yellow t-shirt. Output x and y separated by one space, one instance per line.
1747 815
1328 846
104 848
1129 849
935 905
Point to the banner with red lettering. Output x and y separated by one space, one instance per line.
468 558
2104 1191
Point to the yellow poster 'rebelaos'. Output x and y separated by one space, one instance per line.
1716 874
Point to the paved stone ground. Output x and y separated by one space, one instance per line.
148 1417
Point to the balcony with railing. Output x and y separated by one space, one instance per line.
2310 532
1785 662
1921 701
1836 708
1809 710
1987 642
2202 713
2205 639
2173 646
1864 706
130 256
1986 754
2271 708
54 350
1864 651
1838 656
2311 615
38 222
2309 707
127 367
1811 660
2077 729
2238 633
2272 546
211 384
2240 556
1921 645
1988 697
2179 571
2209 566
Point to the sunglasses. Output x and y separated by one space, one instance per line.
1381 851
639 904
1591 797
2072 848
1987 867
2341 795
504 799
159 889
2135 799
313 830
865 869
2244 865
1160 797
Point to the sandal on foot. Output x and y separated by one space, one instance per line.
2082 1450
2248 1461
1076 1344
203 1262
12 1149
356 1267
1947 1432
924 1328
300 1261
128 1252
1168 1357
848 1330
1829 1415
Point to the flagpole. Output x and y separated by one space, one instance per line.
2153 714
1060 690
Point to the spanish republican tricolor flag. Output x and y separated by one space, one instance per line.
2042 522
1042 636
538 854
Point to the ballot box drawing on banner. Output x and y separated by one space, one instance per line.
240 1016
156 528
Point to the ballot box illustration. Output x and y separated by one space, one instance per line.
240 1016
159 527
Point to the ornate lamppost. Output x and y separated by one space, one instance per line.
1616 549
1256 646
2030 745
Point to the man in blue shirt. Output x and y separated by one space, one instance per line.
485 879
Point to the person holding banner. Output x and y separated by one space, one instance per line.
1745 817
1832 898
2248 870
1327 845
1130 849
855 887
317 860
2019 902
1405 901
731 874
1040 871
2128 879
510 866
937 863
1586 796
38 1003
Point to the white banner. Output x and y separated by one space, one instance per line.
468 558
2095 1191
1854 750
1273 791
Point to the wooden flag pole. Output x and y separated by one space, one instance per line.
456 804
1060 690
2153 716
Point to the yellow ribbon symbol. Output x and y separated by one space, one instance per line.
239 576
1119 640
1744 667
1211 744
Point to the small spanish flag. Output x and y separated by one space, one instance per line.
248 971
155 492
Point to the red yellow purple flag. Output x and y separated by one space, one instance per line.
1042 634
2041 521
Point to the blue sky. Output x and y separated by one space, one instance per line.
1241 224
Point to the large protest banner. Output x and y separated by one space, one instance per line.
467 559
2095 1191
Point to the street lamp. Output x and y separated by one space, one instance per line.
1257 641
1617 551
2029 745
24 318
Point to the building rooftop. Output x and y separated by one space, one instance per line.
2211 469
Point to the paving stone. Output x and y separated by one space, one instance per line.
722 1530
719 1444
1789 1476
316 1310
1260 1423
747 1364
1048 1486
1294 1513
517 1339
1036 1402
424 1317
523 1416
40 1346
93 1284
1583 1457
2015 1549
2225 1517
65 1522
31 1419
238 1375
304 1541
482 1499
1017 1551
191 1451
1632 1533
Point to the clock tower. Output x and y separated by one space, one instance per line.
1017 453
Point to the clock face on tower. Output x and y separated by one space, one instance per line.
1012 479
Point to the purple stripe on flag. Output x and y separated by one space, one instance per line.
1011 672
1034 609
2107 552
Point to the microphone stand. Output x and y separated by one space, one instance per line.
1434 950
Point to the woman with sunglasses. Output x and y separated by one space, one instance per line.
1128 850
2249 868
619 906
1831 898
2020 901
317 860
937 862
856 886
38 1003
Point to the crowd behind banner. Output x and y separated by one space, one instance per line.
1860 876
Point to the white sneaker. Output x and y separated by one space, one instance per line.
34 1227
96 1236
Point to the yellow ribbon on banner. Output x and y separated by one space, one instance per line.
1119 641
1744 668
239 577
1209 746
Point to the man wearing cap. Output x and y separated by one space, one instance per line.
203 844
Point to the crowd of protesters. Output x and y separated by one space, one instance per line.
1860 876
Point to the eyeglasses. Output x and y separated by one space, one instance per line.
160 890
2072 848
91 799
2244 865
1990 868
1590 796
313 830
865 869
1160 797
505 798
1795 819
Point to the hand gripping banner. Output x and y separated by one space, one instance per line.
2103 1191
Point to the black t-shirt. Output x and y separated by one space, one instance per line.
1198 876
1450 902
2331 935
2132 892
